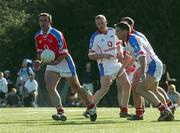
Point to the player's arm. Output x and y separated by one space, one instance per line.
38 62
143 62
95 52
126 61
100 56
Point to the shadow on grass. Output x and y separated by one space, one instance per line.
164 121
51 122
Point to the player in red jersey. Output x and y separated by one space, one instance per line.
62 66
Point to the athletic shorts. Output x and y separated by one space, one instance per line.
65 68
155 69
109 71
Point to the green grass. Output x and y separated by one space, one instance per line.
38 120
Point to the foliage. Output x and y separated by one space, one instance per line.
158 20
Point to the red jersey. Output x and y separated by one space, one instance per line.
54 40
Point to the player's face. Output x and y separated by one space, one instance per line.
44 23
101 24
122 34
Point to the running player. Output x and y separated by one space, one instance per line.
62 66
139 102
104 48
151 69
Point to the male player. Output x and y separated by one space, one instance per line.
62 66
104 48
151 68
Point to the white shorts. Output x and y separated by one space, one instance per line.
155 69
65 68
109 71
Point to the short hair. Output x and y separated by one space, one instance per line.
129 20
100 16
47 15
123 26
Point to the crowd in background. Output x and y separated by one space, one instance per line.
24 92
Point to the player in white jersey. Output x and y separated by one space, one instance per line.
104 48
151 69
138 100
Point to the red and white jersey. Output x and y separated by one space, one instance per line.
138 47
105 44
54 40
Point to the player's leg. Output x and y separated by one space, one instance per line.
74 83
106 81
154 89
119 92
170 104
143 90
125 94
52 80
138 100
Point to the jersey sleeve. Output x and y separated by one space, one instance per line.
136 45
93 47
62 45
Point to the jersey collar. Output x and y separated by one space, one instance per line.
49 30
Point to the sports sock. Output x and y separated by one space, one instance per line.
123 109
59 109
139 111
161 107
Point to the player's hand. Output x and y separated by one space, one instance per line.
37 65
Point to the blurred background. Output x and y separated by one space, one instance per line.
158 19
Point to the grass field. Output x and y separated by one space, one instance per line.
38 120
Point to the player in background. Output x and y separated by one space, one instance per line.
133 71
151 69
137 100
104 48
62 66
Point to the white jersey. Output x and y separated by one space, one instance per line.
105 44
31 85
144 38
3 85
137 47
